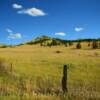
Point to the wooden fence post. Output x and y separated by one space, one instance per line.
64 80
11 68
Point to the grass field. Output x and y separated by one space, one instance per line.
38 72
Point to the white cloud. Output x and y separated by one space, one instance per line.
79 29
9 30
60 33
14 36
17 6
32 12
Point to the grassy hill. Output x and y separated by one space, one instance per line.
45 40
50 41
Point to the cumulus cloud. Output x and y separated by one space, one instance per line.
79 29
13 35
60 33
32 12
17 6
29 11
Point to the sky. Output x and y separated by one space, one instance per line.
24 20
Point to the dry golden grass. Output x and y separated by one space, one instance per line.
33 61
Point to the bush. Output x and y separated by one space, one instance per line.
94 45
3 46
58 51
70 43
78 46
89 44
66 45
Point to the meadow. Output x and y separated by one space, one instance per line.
35 73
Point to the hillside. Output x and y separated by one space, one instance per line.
45 40
79 43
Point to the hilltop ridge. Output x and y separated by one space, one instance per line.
46 40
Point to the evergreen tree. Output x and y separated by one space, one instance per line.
53 43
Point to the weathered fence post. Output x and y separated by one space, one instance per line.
11 68
64 80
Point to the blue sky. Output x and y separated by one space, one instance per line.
23 20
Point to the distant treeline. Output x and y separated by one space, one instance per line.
49 41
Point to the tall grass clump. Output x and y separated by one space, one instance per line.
3 67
